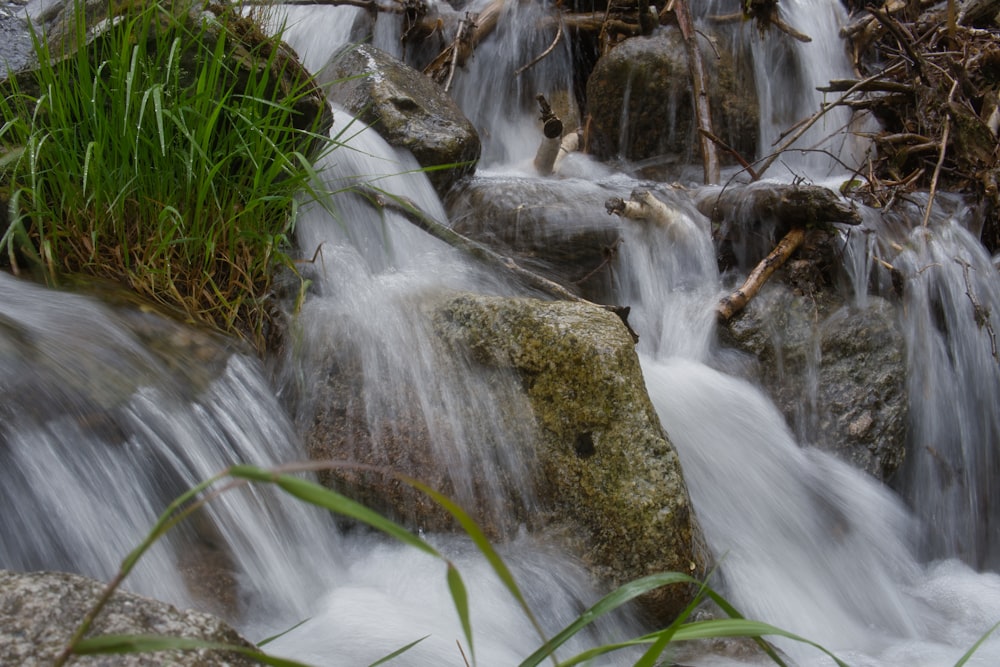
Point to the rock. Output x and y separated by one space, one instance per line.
558 229
39 611
16 50
836 371
606 468
406 108
639 100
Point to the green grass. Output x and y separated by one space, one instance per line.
168 155
286 478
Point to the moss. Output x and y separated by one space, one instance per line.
606 463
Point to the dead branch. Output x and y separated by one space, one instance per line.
643 206
699 82
980 312
537 59
944 148
787 204
804 126
548 149
732 152
472 30
414 215
737 301
840 85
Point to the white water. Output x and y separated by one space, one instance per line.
803 541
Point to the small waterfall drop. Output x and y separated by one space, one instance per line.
951 304
100 432
803 541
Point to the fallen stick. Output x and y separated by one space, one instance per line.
737 301
643 206
414 215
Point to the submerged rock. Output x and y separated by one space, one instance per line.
607 472
406 108
559 229
836 371
39 611
639 100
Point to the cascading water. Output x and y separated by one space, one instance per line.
803 541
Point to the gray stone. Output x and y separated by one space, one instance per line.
640 103
607 471
407 108
39 611
557 228
836 371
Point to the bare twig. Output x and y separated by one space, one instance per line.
944 148
414 215
538 58
804 126
979 311
737 301
731 151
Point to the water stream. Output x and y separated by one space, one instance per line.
99 431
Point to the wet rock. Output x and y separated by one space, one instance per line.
39 611
836 371
15 39
407 108
639 100
607 472
559 229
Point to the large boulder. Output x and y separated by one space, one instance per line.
407 108
837 371
607 471
641 108
40 611
564 234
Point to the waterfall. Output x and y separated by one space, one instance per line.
100 429
951 305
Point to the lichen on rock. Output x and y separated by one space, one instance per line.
607 470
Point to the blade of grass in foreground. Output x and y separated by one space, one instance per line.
608 603
121 644
398 652
713 629
320 496
975 647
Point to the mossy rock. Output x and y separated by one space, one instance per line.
607 470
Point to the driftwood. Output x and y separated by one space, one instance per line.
788 204
548 149
472 30
737 301
413 214
643 206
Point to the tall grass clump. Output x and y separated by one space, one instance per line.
166 152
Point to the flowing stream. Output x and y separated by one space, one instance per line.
100 430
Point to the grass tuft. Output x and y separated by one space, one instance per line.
166 154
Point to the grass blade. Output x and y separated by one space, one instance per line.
268 640
461 598
975 647
122 644
398 652
331 500
479 538
608 603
